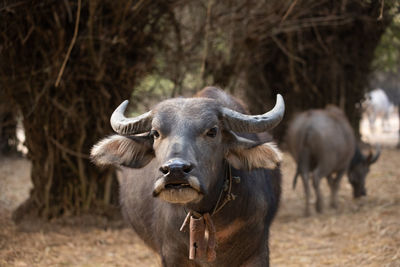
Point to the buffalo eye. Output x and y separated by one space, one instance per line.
212 132
155 134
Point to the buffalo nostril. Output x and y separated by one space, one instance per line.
187 168
176 168
164 169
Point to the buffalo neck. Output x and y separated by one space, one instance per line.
210 199
357 157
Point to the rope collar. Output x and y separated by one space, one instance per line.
202 245
228 196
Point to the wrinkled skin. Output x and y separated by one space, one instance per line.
190 141
180 165
322 143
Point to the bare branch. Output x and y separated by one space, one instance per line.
71 45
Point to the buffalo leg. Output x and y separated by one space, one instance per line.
175 257
258 259
334 185
371 119
331 182
386 122
335 189
304 177
171 263
398 111
319 203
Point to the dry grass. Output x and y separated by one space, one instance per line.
365 232
360 233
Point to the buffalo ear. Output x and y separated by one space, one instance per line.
247 154
117 150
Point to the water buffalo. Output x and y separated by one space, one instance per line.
185 160
322 143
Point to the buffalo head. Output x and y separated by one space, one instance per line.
188 140
358 170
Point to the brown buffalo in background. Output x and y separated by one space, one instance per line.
323 144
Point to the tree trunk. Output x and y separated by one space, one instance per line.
67 109
317 65
8 126
59 136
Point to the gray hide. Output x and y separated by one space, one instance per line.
322 143
175 159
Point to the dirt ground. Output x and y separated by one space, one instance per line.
365 232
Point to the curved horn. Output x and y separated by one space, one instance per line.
129 126
239 122
373 158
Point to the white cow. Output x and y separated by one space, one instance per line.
376 105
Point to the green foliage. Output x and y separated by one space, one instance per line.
387 54
151 87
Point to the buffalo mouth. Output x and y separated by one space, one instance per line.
177 185
178 191
359 193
